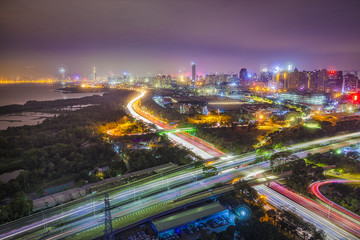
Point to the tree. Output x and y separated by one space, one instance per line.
20 206
280 157
245 191
209 171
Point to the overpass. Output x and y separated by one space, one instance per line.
176 130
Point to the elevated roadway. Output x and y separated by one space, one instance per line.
87 215
315 189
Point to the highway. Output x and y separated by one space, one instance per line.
146 191
91 215
281 202
322 211
76 218
197 145
315 189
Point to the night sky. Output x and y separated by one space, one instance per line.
141 36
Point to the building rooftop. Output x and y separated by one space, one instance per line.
179 219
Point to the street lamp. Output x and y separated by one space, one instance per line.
243 212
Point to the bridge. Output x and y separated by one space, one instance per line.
165 131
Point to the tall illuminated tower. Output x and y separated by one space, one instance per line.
62 72
94 74
193 68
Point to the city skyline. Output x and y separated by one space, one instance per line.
39 37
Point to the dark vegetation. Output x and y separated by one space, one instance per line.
79 89
242 139
142 159
347 196
232 140
299 133
308 170
302 175
344 162
63 148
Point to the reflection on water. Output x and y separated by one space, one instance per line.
21 93
21 119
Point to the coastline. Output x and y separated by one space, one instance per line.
23 118
19 94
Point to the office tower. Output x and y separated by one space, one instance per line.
334 81
94 74
320 79
243 75
350 82
193 70
266 76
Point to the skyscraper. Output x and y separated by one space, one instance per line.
243 75
334 81
193 68
320 78
350 82
294 80
94 74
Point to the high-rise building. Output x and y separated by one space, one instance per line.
293 81
217 79
305 81
94 74
193 71
265 76
334 81
320 79
351 82
243 75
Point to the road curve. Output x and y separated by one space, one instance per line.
279 201
315 189
197 145
348 225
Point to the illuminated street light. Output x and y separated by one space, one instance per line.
243 212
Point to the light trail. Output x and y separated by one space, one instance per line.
198 147
159 185
279 201
150 190
348 225
314 187
144 203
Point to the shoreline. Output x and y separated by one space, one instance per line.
23 119
22 93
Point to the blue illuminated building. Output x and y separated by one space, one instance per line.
192 219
